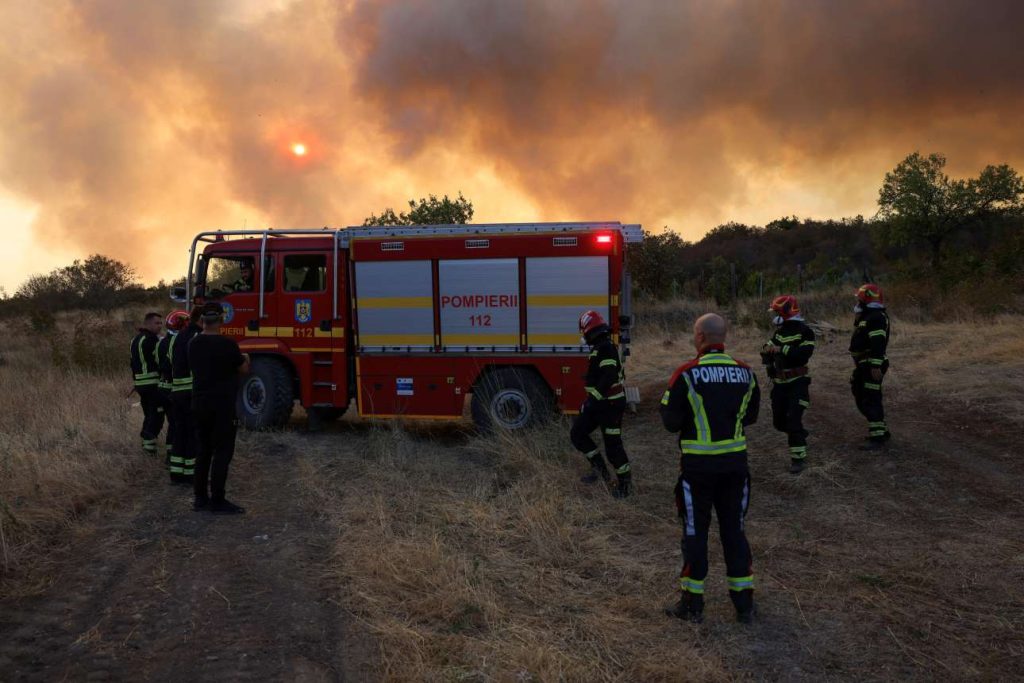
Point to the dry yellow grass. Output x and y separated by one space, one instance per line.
467 558
483 559
67 443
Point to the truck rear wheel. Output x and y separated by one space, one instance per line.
266 396
511 399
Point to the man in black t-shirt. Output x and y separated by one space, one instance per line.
215 362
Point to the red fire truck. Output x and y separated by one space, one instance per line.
409 321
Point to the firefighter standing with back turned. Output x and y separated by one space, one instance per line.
146 374
604 407
786 356
181 397
708 403
176 321
867 346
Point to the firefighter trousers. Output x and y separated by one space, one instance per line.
186 444
868 395
168 408
215 429
789 401
729 494
152 416
606 415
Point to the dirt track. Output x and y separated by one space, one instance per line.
157 592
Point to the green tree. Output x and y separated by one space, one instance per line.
430 211
98 282
657 264
924 205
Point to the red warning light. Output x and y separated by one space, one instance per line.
604 239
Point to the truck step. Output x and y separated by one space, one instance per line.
329 385
323 362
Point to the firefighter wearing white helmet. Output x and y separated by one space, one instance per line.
603 408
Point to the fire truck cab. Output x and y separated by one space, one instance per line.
410 321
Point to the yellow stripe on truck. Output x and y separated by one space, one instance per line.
396 340
567 300
479 339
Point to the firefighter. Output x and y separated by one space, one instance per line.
146 374
603 408
244 283
186 445
709 401
867 346
175 322
786 356
215 362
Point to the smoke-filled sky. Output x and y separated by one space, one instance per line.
126 126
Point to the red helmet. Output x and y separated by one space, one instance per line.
590 321
870 294
177 320
785 306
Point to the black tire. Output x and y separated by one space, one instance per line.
266 395
511 399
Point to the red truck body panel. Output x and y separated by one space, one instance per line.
406 322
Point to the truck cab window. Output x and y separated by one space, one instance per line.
236 274
305 273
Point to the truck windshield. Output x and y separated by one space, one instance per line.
224 275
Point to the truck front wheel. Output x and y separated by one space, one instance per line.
266 395
511 399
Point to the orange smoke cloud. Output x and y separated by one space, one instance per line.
132 125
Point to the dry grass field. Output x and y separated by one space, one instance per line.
425 552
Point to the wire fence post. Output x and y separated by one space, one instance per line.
800 278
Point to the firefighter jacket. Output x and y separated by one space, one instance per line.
144 363
870 337
709 402
181 373
163 359
796 344
605 376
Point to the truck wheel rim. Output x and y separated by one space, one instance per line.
510 408
254 397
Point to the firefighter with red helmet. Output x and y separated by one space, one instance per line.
146 375
175 322
868 345
603 408
786 356
709 402
186 443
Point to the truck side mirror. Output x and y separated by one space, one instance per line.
178 295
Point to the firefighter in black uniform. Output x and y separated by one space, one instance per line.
786 356
185 438
604 407
216 362
708 403
867 346
146 374
174 323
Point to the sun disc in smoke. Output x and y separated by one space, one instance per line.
299 149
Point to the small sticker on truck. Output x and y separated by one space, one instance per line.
403 386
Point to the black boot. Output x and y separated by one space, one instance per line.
622 488
743 601
797 465
689 608
598 471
